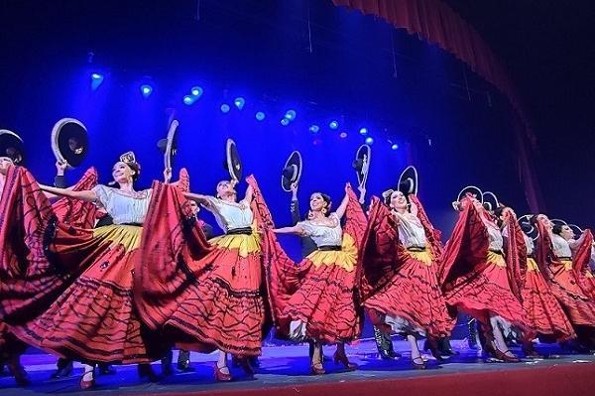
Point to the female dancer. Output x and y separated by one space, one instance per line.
545 316
555 256
316 299
476 277
206 296
10 347
410 302
94 318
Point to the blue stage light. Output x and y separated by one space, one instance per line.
369 140
333 125
146 90
363 131
394 146
260 116
96 80
196 91
188 100
314 129
290 115
284 122
343 135
239 102
225 108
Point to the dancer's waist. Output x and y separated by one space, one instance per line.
329 248
240 231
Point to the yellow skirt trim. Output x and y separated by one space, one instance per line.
496 259
244 244
125 235
345 258
532 265
567 265
424 256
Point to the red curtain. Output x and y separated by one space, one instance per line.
436 23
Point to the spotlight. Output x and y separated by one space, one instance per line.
146 90
196 92
188 100
96 80
284 122
314 129
343 135
225 108
369 140
333 125
260 116
239 103
394 146
290 115
363 131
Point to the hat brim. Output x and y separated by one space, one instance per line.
531 231
170 145
234 163
474 190
12 146
559 222
294 162
408 182
576 229
70 141
491 199
362 160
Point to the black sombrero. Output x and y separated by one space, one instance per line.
529 229
490 201
361 163
233 162
408 181
11 146
292 171
473 190
70 141
169 145
407 184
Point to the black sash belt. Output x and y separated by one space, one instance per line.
329 248
240 231
132 224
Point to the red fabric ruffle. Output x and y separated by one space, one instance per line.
473 284
204 297
564 283
401 285
325 297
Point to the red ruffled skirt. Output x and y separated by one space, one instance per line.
412 301
488 293
544 313
579 308
66 289
223 307
203 296
325 296
94 319
587 281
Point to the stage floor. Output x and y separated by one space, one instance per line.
285 368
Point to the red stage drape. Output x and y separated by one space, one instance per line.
437 23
